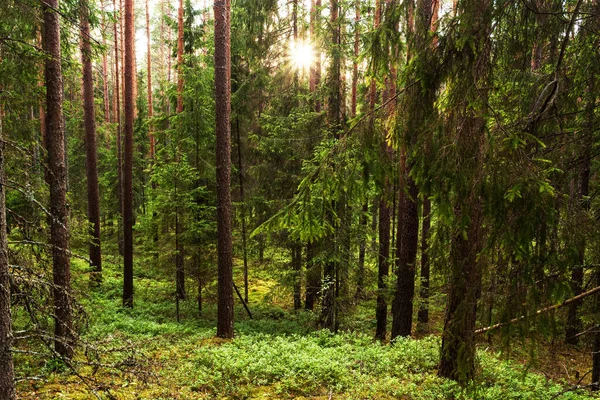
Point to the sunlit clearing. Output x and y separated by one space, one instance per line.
302 55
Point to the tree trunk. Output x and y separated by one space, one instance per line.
423 315
355 61
119 127
105 68
149 67
89 117
328 310
383 269
313 268
179 248
458 338
128 157
223 154
405 261
362 250
57 180
315 71
7 373
419 106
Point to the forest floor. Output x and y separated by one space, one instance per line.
144 353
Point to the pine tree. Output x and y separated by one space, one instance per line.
128 101
7 374
222 9
57 180
89 115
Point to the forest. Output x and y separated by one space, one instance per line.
326 199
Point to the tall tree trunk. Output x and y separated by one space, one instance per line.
57 179
328 309
180 271
104 68
419 105
355 61
119 126
7 373
458 338
315 70
362 250
89 117
128 157
149 68
313 268
383 269
581 204
223 152
423 316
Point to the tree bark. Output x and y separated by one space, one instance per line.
57 180
419 106
7 373
179 263
355 61
105 68
128 157
383 269
89 117
423 315
119 126
149 68
223 155
331 270
458 338
405 262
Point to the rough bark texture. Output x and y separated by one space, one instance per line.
328 309
57 180
118 121
91 163
7 373
179 261
362 250
423 315
149 68
223 153
458 338
355 62
405 264
383 269
128 157
419 105
105 69
313 268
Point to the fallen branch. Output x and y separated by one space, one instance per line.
541 311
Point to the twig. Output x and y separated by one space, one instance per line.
541 311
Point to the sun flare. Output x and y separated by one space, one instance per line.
302 55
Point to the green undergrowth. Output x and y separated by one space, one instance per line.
278 354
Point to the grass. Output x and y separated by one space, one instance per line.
146 354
